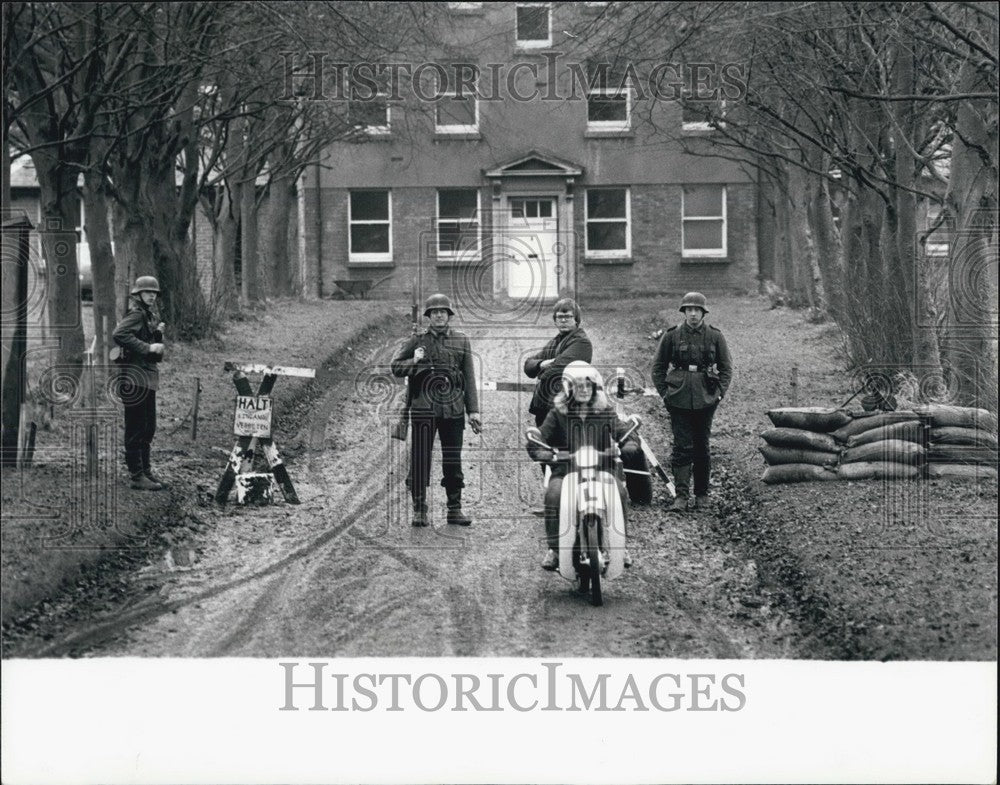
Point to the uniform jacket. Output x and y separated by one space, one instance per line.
563 349
682 348
444 382
569 426
134 334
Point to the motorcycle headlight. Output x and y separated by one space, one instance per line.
586 457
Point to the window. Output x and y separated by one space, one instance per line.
456 113
936 237
608 216
465 6
698 115
368 112
370 220
458 230
703 227
534 25
522 208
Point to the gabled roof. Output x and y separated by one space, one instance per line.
536 164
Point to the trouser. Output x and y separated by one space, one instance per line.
140 426
423 426
692 429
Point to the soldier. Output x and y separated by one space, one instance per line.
139 339
442 387
699 376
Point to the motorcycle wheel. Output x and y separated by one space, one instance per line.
594 555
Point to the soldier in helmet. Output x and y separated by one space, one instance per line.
691 372
139 347
442 387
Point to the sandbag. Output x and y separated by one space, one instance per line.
960 471
800 439
777 456
942 415
954 435
877 470
887 450
961 453
797 472
865 422
912 431
810 418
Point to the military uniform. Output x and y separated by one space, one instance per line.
691 372
442 390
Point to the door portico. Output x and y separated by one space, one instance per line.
533 241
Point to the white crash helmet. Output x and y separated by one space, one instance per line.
578 369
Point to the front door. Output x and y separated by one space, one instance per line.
532 249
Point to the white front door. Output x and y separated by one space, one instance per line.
531 247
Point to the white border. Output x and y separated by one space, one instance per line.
368 257
707 253
469 254
587 220
534 43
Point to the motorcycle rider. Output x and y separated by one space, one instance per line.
438 363
699 376
581 415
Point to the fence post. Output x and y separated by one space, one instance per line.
795 385
194 408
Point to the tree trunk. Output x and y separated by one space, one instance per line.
274 257
102 260
224 298
827 246
60 204
803 246
972 199
250 279
765 230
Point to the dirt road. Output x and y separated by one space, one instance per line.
346 574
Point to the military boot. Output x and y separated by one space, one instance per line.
419 511
146 470
141 482
682 482
455 514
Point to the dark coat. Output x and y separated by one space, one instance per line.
569 426
444 382
563 349
682 348
134 334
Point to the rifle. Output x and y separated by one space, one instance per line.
401 427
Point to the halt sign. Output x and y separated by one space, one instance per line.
253 416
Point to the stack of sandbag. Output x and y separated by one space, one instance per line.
962 442
799 448
814 443
882 445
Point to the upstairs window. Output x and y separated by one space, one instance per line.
936 238
608 217
609 99
465 6
700 115
703 226
458 229
456 111
370 226
534 25
369 112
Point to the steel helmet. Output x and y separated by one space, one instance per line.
696 299
437 301
146 283
578 369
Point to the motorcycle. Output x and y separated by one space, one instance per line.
592 536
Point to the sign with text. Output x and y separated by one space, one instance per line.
253 415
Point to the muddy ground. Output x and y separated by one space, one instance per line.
862 570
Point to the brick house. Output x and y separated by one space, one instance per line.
492 199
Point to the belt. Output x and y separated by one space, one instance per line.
688 368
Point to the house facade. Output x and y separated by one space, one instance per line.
555 176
